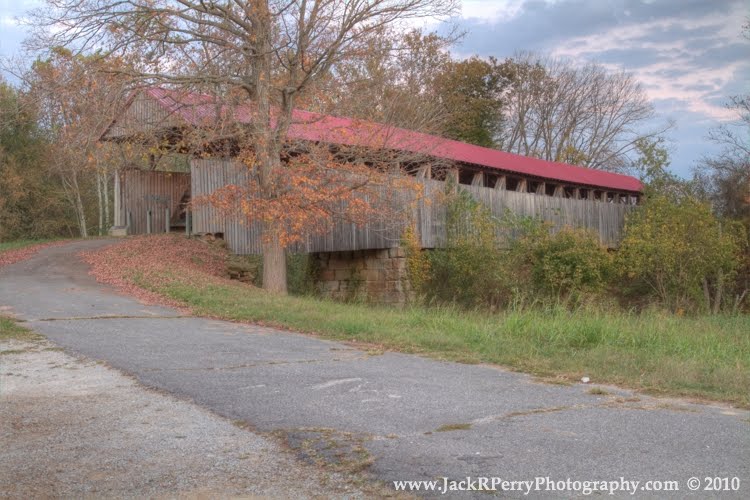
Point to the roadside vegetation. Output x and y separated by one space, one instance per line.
675 255
10 330
655 351
16 244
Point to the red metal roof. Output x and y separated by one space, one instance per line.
198 109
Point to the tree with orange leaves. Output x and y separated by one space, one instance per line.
270 53
76 97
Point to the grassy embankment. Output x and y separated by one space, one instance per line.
701 357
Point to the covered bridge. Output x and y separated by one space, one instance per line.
155 201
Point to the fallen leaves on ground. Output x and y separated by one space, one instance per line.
9 257
158 260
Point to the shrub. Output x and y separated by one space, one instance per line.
497 262
470 270
569 264
417 261
301 274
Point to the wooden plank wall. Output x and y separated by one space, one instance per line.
141 191
429 213
143 116
606 219
209 175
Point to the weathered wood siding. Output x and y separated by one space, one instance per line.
142 117
429 213
141 191
605 219
208 175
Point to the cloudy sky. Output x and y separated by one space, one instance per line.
688 54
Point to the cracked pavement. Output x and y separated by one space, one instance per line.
418 418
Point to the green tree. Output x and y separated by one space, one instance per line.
472 93
651 166
677 252
652 163
31 200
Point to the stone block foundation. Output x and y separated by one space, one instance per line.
377 276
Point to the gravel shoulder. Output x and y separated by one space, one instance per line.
74 428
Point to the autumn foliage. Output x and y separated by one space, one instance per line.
158 260
310 193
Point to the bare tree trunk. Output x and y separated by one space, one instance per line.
707 295
100 200
267 149
107 220
274 262
718 296
738 301
80 211
73 194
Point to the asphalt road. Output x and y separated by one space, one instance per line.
419 419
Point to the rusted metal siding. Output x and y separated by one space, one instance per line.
141 191
429 214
